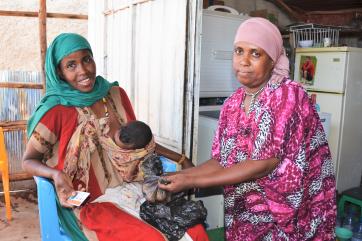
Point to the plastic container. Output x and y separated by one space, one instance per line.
169 165
348 222
306 43
343 234
339 220
357 232
350 219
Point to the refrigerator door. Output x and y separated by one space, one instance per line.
216 75
328 71
333 104
350 143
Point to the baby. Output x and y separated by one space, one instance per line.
137 161
133 135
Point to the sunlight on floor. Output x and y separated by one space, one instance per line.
25 222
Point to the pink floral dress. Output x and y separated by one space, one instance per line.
297 201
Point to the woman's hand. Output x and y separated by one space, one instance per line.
176 182
32 164
211 173
64 188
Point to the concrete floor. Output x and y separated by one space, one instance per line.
25 222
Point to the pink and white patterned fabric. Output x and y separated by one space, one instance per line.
297 201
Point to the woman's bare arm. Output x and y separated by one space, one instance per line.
206 168
32 164
174 156
244 171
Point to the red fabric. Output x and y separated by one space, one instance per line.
198 233
62 121
112 224
127 105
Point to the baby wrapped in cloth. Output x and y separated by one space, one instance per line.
131 146
171 215
134 158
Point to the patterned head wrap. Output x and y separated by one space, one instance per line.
265 35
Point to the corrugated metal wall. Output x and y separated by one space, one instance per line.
17 104
144 44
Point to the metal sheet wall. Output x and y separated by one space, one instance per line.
160 33
17 104
119 49
145 44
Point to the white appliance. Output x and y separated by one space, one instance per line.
337 84
216 75
217 81
212 197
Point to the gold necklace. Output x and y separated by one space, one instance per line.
104 100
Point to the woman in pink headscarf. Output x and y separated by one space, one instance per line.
270 151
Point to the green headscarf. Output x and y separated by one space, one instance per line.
59 91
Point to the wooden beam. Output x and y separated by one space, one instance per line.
293 14
19 176
124 6
43 38
13 125
20 85
49 15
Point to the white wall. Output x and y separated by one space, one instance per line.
19 36
141 44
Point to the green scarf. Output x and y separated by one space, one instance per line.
68 221
59 92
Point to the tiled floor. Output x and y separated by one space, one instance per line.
25 222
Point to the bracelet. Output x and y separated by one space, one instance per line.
182 159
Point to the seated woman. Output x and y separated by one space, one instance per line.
73 94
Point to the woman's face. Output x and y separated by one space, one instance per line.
252 65
79 70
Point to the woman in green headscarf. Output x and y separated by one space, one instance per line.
63 144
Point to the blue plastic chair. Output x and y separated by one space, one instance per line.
48 215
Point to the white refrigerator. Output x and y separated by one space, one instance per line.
335 78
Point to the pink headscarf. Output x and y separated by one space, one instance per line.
265 35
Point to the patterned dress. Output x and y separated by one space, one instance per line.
297 201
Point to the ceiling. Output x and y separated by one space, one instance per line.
321 5
344 13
